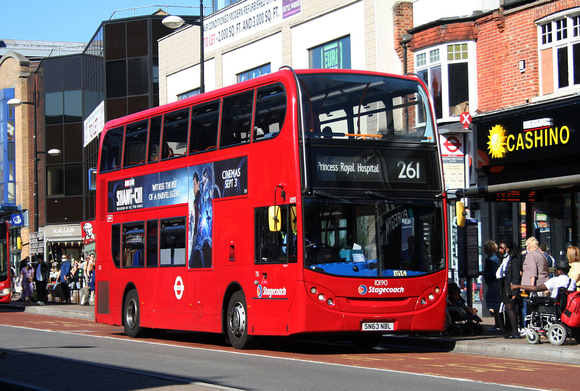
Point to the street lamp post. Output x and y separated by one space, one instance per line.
175 22
52 152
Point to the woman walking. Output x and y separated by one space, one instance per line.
26 278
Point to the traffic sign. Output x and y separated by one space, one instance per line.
465 119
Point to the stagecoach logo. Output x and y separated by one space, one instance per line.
380 287
269 292
178 287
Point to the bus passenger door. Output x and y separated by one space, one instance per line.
274 264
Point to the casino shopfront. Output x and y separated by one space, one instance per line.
527 169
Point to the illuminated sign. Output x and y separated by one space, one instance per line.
512 196
374 168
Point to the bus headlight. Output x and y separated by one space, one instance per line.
428 297
321 295
5 292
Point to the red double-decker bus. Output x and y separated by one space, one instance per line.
5 277
298 202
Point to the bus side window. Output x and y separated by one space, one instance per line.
152 243
116 244
270 112
237 119
112 149
274 246
172 241
135 144
154 139
175 127
133 245
204 127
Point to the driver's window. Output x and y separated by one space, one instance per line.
274 246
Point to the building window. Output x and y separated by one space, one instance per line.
253 73
189 94
331 55
559 37
446 70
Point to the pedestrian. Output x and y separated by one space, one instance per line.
41 277
573 255
510 268
26 280
89 288
63 279
493 294
549 258
535 270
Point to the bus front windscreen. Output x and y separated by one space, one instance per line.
362 106
375 239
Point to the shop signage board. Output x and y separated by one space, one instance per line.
36 241
538 141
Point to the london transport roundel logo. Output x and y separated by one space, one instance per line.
178 287
259 291
362 289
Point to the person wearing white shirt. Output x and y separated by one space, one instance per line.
560 280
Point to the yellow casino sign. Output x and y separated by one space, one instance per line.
537 134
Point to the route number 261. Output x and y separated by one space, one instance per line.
409 170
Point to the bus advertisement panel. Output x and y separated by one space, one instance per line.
297 202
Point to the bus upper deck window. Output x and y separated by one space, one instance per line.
270 112
204 127
135 143
112 149
154 139
237 119
175 127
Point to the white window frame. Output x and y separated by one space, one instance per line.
442 60
557 41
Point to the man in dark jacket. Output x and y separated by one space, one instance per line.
41 277
510 297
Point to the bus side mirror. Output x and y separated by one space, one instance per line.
274 218
92 179
460 213
293 218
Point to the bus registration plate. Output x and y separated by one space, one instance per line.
378 326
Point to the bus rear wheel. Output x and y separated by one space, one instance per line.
237 322
131 315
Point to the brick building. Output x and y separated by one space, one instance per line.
515 67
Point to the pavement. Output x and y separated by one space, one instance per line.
490 343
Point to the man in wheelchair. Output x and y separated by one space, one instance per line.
544 319
560 280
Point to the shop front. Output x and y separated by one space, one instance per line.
527 163
62 239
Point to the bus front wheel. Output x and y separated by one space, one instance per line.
131 315
237 322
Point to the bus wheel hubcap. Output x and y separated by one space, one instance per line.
237 320
131 314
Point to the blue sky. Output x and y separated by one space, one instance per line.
72 20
